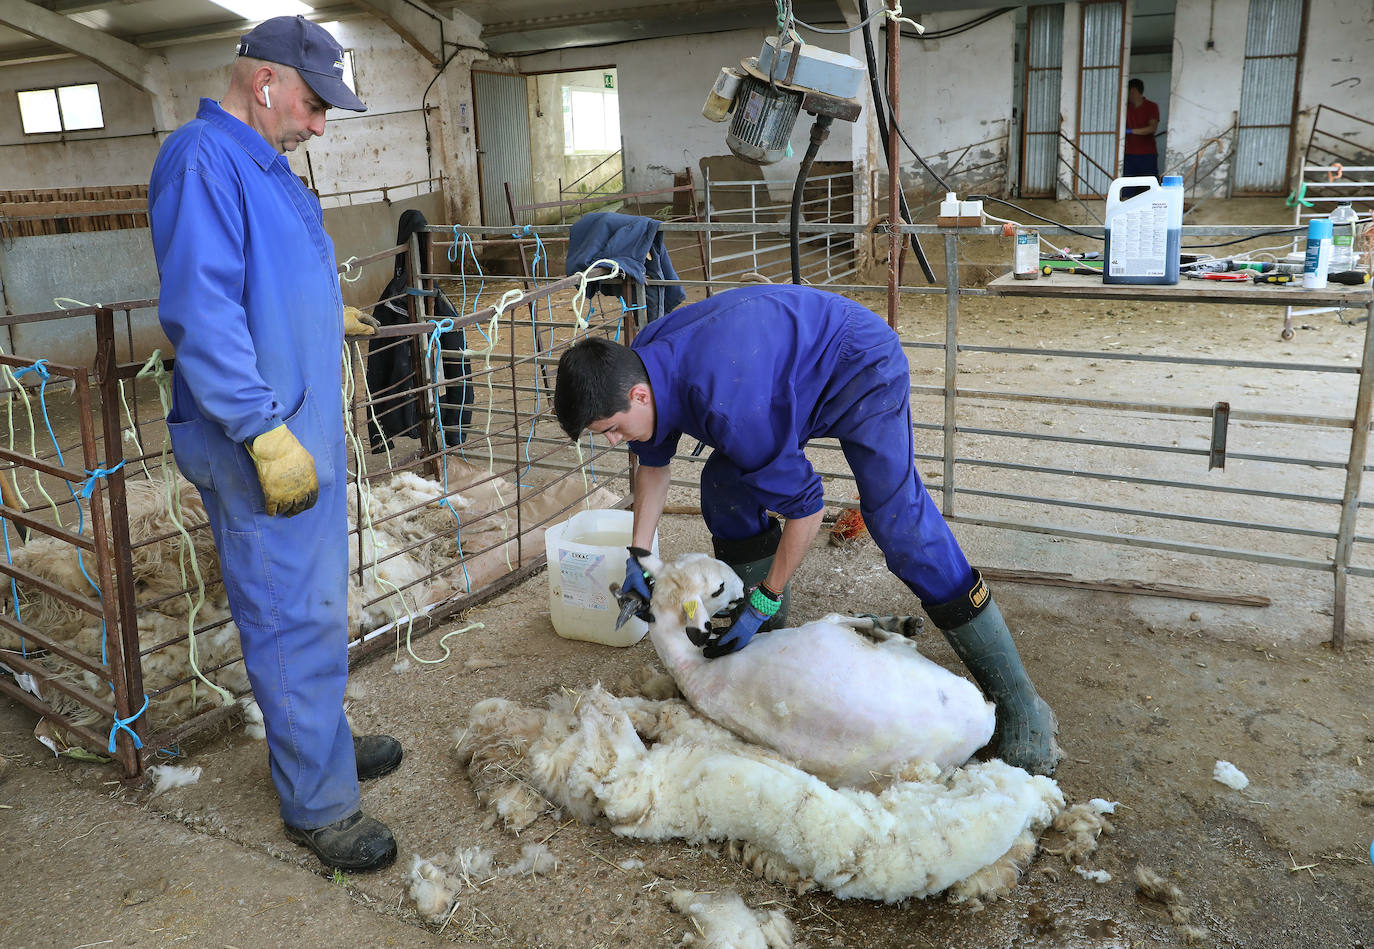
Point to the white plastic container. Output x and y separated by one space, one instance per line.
586 555
1142 233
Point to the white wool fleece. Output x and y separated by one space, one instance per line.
699 782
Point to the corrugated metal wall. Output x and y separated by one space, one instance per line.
501 104
1099 97
1273 38
1044 66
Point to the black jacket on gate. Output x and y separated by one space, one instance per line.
390 369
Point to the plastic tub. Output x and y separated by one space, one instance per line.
586 555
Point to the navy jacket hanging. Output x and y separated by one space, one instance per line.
636 244
390 369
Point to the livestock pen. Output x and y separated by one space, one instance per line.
108 603
1001 388
116 628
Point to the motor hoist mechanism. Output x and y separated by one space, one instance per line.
766 94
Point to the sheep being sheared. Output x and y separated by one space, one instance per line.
845 708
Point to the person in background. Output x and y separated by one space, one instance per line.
1142 122
250 300
756 373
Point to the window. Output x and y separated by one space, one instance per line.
64 109
591 120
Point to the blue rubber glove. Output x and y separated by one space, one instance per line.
636 578
737 636
637 590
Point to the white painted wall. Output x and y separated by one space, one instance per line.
955 92
1205 85
384 146
119 154
1204 88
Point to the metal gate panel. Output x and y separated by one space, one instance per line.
1044 72
501 104
1268 96
1099 97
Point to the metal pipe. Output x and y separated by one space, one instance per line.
951 367
894 184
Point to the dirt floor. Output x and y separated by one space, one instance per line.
1150 693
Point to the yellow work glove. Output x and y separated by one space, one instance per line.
286 472
358 323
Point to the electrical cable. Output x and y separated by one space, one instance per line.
1015 207
1298 229
820 131
879 110
962 27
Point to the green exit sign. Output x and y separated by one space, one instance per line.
608 80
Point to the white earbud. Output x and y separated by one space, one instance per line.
267 94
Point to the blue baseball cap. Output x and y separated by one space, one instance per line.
309 49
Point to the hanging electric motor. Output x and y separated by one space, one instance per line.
767 93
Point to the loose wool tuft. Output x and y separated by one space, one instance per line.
657 771
1229 775
168 776
722 921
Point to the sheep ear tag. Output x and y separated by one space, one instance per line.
690 609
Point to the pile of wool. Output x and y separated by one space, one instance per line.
656 770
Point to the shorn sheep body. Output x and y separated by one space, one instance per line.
842 706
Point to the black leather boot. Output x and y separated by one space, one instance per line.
751 557
1026 726
357 843
377 755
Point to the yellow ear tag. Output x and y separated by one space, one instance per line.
690 609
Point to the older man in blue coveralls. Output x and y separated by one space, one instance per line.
756 373
250 300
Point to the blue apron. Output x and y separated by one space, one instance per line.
250 300
756 373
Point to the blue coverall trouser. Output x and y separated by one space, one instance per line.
287 583
871 417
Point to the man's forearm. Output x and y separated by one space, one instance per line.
797 535
651 493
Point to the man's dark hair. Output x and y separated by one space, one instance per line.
594 380
1138 85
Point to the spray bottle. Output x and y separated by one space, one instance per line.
1318 260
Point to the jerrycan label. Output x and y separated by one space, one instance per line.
581 588
1140 239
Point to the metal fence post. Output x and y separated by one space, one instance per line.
1354 472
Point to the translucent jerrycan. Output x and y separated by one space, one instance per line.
586 554
1143 232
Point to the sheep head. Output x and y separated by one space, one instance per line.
692 589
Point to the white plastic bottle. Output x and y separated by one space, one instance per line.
1343 225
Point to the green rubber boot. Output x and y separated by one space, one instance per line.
1026 725
751 557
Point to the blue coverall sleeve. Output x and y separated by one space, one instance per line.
198 238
